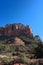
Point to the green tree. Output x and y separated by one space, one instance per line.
38 39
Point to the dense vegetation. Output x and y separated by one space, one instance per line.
33 48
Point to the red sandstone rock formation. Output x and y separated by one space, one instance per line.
18 41
2 31
28 32
16 30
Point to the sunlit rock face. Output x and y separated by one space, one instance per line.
16 30
13 29
28 32
18 41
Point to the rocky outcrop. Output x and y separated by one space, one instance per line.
2 31
18 41
16 30
28 32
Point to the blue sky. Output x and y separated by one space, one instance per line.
28 12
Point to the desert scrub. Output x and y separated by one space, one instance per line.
24 58
5 58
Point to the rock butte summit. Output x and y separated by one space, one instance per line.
16 30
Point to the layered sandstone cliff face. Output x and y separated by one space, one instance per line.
16 30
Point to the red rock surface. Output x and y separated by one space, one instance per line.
18 41
29 32
19 64
2 31
15 30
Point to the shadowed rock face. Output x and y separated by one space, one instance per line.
16 30
2 31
